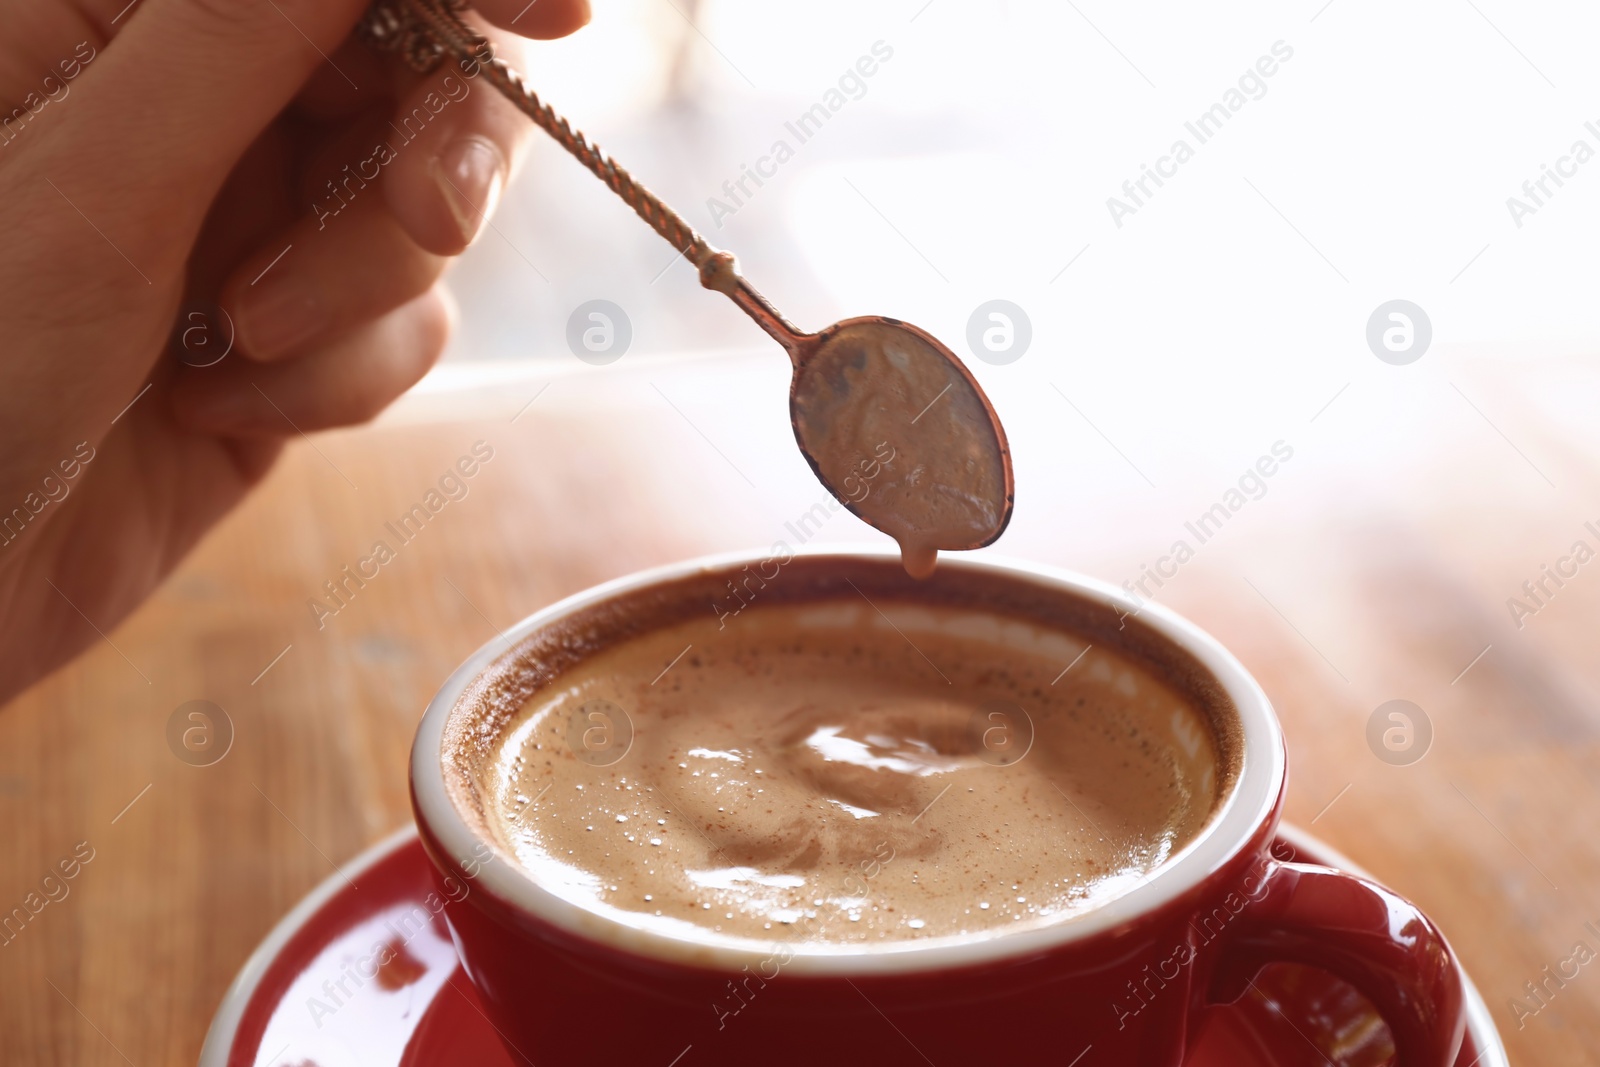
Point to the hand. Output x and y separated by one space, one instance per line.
166 156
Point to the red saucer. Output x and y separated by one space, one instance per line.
362 972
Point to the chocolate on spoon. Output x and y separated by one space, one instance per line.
890 420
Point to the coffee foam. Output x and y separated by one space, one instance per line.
849 791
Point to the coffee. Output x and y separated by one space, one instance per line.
848 773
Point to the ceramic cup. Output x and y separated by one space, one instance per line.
1124 985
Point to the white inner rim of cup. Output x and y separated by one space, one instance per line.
1239 815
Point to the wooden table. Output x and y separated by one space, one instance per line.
1354 580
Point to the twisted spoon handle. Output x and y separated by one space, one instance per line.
424 31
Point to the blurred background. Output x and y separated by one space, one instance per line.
977 162
1225 311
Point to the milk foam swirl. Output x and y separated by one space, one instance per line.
824 772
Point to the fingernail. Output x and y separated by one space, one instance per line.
470 174
278 314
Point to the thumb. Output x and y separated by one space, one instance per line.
164 114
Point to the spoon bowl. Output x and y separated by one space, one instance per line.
897 429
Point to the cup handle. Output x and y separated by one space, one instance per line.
1372 938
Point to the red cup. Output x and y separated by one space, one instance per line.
1124 985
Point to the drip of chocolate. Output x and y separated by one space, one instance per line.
896 428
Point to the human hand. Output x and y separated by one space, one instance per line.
176 154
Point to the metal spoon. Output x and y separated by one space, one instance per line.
890 420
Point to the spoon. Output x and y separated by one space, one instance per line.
892 423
